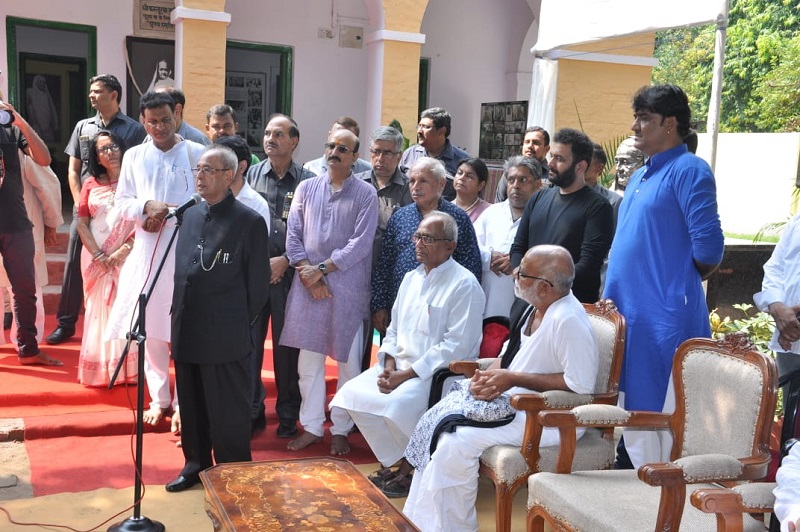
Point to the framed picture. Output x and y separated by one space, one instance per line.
52 95
246 93
502 128
151 65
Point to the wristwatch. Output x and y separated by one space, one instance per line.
323 268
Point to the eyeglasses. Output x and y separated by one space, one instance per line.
208 171
427 239
520 274
383 153
163 123
341 148
109 148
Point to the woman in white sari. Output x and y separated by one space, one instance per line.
107 241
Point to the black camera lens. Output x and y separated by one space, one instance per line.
6 118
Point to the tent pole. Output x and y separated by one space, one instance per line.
712 125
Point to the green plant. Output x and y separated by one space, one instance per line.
759 326
396 124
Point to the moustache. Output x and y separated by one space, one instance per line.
334 158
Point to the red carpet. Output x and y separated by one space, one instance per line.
78 438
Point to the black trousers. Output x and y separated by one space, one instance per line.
69 306
215 413
284 359
17 250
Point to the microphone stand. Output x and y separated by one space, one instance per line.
139 523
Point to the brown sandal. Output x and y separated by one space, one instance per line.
381 476
397 487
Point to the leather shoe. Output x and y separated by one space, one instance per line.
287 429
182 483
258 424
59 335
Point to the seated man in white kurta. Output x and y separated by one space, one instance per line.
558 352
436 318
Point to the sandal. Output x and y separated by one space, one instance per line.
381 476
397 487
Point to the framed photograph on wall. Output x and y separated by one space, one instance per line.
246 93
503 125
52 94
151 64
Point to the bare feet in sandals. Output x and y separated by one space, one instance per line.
154 415
303 441
40 360
339 445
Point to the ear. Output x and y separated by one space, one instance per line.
581 167
178 110
295 141
241 167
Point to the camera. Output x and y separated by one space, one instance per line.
6 117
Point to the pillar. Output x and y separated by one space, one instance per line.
200 42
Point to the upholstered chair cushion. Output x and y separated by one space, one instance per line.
605 335
707 467
507 462
635 508
757 494
723 398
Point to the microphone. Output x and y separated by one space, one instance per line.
179 210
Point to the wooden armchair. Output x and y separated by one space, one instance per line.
507 466
725 396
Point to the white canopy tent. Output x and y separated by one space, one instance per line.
568 22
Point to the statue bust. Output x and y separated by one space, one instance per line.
628 160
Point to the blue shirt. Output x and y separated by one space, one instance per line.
129 130
397 256
667 220
450 157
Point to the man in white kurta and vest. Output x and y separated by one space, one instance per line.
329 237
155 176
436 318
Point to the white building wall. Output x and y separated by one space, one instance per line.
474 47
113 20
329 81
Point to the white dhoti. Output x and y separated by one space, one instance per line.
311 370
646 446
385 420
442 496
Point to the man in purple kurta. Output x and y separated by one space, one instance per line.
329 237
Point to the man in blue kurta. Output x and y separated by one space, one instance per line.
329 237
668 240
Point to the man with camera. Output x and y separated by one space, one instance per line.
16 231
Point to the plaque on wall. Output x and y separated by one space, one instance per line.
151 18
503 127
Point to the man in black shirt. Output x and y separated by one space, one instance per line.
570 214
16 231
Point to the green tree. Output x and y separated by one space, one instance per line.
761 36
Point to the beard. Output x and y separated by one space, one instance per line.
517 290
565 178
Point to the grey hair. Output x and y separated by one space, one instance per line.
389 134
229 159
434 166
450 228
525 162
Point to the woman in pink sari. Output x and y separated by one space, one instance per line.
107 241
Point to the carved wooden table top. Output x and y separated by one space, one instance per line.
305 494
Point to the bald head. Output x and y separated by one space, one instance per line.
554 263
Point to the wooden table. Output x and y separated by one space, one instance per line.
303 494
